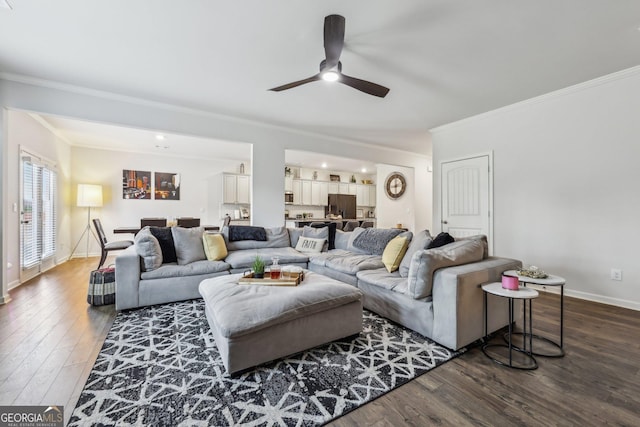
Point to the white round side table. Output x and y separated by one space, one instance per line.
550 280
527 295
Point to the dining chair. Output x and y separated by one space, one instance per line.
188 222
351 225
153 222
226 221
108 246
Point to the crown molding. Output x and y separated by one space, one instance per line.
80 90
599 81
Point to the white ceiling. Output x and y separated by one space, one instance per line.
443 60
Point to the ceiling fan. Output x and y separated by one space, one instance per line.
331 67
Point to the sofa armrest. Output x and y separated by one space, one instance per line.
458 301
127 278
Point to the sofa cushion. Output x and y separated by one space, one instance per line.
393 253
374 240
419 242
277 237
193 269
353 235
354 262
165 238
247 232
214 246
294 235
148 248
424 263
342 239
381 278
480 237
321 258
310 245
188 243
244 259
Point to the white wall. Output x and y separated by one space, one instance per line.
26 133
566 181
400 211
200 180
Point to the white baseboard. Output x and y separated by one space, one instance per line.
589 297
14 284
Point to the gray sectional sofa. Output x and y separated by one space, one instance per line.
435 292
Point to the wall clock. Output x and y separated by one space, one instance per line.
395 185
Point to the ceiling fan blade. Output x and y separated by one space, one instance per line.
333 39
364 86
296 84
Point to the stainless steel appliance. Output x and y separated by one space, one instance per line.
288 197
342 204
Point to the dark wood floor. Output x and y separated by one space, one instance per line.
50 338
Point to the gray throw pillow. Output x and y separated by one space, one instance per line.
374 240
317 233
148 248
419 242
188 243
354 235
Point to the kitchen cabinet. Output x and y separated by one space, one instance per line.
236 189
366 195
353 189
319 193
306 192
288 183
372 195
343 188
296 187
333 188
362 195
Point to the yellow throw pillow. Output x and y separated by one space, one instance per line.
394 252
214 247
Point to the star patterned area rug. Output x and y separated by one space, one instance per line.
160 366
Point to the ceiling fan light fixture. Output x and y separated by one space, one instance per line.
330 76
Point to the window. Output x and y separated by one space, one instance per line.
38 212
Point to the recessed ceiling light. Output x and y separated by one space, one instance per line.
324 165
160 137
363 170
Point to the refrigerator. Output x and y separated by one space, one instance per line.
342 204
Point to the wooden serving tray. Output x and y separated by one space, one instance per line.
292 279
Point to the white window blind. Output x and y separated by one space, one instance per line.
38 215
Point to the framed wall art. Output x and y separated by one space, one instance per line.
167 186
136 184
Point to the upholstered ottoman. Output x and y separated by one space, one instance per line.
253 324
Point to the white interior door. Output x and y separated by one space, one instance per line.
466 197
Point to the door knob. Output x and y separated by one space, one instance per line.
444 221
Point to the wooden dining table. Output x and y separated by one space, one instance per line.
134 230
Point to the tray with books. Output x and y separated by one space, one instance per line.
286 279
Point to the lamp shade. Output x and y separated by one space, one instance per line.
89 195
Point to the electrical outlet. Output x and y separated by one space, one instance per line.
616 274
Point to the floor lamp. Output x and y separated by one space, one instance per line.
89 196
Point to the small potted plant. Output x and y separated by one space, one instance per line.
287 171
258 267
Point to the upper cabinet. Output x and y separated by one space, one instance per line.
236 189
288 183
